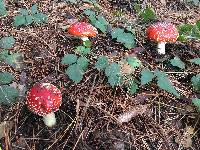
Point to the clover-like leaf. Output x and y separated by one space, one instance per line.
3 10
102 63
69 59
29 19
195 61
23 11
133 61
146 76
114 80
147 15
112 70
83 63
74 73
40 18
165 84
196 82
8 94
116 32
7 42
196 102
132 87
177 62
82 50
34 9
19 20
14 59
5 78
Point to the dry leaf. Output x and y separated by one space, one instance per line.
127 116
186 139
5 127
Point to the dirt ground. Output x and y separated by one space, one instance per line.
87 119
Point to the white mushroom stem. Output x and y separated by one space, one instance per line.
161 47
49 119
84 38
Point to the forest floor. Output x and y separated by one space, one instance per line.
88 118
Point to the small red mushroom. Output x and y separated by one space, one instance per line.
82 30
162 32
44 99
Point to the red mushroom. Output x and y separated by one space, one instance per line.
44 99
162 32
82 30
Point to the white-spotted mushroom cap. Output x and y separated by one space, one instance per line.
162 32
43 98
82 29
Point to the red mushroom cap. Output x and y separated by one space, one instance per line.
82 29
43 98
162 32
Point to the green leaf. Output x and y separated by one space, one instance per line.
19 20
72 1
7 42
127 39
82 50
112 70
196 102
102 63
29 19
177 63
147 15
40 18
87 43
3 10
14 59
133 61
74 73
23 12
195 61
146 76
185 29
196 82
116 32
69 59
132 87
8 94
165 84
114 80
198 24
83 63
34 9
5 78
101 26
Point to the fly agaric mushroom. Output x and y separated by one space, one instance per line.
162 32
82 30
44 99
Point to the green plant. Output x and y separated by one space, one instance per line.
196 102
162 80
196 82
82 50
189 31
77 66
13 59
195 61
7 42
27 16
3 10
8 94
147 14
177 62
126 38
98 21
119 73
